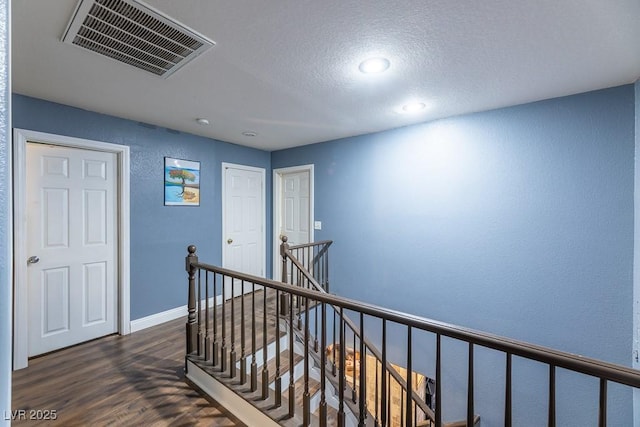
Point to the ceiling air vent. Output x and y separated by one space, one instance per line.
133 33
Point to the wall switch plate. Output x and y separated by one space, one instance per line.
317 225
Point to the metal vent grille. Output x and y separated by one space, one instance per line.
131 32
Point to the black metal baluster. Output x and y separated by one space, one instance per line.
207 339
223 349
306 402
313 261
389 399
284 307
402 408
304 258
602 410
199 305
315 335
377 403
438 381
323 366
362 359
326 270
314 264
552 396
333 347
254 365
278 380
292 385
265 370
323 277
507 397
299 299
383 374
410 377
232 325
470 402
353 384
243 356
216 348
319 266
342 372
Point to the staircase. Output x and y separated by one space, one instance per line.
268 347
289 353
267 381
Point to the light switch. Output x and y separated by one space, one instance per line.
317 225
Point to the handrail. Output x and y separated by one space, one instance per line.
285 251
597 368
307 245
321 254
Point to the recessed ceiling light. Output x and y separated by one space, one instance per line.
202 121
414 107
374 65
250 133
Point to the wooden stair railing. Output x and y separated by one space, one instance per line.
260 330
304 258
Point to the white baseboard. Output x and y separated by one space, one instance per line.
166 316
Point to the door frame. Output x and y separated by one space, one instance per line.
263 209
277 200
21 305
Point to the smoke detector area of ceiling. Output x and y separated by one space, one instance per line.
135 34
374 65
250 133
202 121
413 107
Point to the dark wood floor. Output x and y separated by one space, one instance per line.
136 380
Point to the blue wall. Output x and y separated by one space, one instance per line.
159 234
516 221
5 215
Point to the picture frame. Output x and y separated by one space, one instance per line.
181 182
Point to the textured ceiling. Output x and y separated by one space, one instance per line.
288 69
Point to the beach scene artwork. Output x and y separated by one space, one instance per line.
181 182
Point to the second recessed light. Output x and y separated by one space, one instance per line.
414 107
374 65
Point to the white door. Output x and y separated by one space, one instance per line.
71 221
294 211
243 223
295 207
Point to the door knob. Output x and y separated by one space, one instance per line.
32 259
229 241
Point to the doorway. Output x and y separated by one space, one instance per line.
293 207
243 223
71 249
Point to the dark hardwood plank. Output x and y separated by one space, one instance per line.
117 381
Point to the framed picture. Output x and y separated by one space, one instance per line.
181 182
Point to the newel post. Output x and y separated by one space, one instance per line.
192 326
284 300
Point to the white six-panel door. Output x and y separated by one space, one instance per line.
71 221
292 209
295 207
243 223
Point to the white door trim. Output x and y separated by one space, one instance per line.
277 199
20 318
263 209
